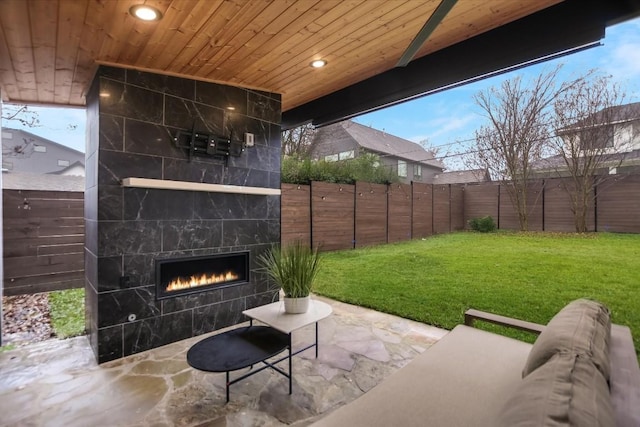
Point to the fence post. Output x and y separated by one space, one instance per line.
499 193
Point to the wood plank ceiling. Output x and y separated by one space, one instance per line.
49 49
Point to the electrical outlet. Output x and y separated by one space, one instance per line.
249 139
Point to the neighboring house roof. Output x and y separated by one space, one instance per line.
42 139
384 143
557 162
69 170
49 182
611 115
462 177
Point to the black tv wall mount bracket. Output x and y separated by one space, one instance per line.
207 144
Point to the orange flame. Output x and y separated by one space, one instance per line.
202 280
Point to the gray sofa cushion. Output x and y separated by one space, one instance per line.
582 327
460 381
568 390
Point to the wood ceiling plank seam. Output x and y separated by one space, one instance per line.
94 34
440 37
238 32
91 38
465 22
83 73
401 33
138 38
44 30
117 30
260 44
239 36
344 61
337 31
184 19
337 36
8 79
7 74
185 36
67 45
274 47
91 42
15 16
142 31
115 27
299 69
189 58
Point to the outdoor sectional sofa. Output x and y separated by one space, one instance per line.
581 371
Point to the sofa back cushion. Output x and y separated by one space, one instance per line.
582 327
568 390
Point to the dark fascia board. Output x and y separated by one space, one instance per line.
557 30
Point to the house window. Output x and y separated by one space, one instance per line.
417 171
596 138
63 163
402 168
346 155
40 149
7 165
343 155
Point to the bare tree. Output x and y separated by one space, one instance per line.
21 114
297 142
439 152
594 131
518 115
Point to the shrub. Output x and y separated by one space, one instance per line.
365 168
484 224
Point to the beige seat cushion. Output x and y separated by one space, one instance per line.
462 380
581 327
568 390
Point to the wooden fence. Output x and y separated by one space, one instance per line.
340 216
43 234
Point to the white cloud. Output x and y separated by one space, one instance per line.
622 51
624 61
451 124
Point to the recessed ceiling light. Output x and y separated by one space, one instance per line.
146 13
231 108
318 63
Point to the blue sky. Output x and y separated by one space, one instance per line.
65 126
441 119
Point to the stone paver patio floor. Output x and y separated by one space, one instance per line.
58 383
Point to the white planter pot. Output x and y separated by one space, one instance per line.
296 305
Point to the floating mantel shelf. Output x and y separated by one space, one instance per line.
164 184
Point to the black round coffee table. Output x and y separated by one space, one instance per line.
238 349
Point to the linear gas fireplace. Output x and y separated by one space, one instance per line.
179 276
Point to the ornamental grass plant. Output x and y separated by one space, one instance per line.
293 268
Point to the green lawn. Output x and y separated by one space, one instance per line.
524 275
67 312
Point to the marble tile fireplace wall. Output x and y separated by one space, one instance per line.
132 117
